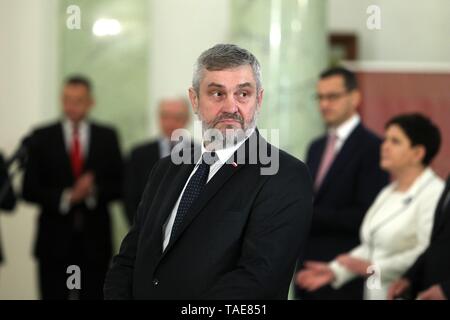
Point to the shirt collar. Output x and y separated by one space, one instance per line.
421 182
346 128
68 127
164 139
226 153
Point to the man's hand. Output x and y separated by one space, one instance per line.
314 276
355 265
397 288
433 293
83 187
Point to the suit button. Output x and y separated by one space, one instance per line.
155 282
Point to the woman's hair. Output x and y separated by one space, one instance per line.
420 131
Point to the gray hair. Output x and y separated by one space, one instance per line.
225 56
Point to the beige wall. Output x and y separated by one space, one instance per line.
27 82
181 30
411 30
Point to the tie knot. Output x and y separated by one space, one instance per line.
209 158
75 130
332 136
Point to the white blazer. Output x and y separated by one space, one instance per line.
395 231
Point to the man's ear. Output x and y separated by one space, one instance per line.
92 103
194 100
356 98
259 99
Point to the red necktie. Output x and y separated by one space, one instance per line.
75 156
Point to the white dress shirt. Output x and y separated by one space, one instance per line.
223 156
84 133
164 146
344 130
395 231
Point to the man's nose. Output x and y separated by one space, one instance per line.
323 103
230 105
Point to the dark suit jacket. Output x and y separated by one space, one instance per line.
48 173
433 266
9 200
239 240
137 169
348 189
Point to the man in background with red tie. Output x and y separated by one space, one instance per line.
346 174
73 172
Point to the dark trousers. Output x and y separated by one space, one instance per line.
53 276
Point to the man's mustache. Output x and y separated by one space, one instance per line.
228 116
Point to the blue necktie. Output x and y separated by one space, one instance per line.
193 190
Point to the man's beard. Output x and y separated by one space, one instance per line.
229 136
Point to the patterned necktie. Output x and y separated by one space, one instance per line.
327 160
193 190
76 156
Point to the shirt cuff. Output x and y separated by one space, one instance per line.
64 204
341 274
91 200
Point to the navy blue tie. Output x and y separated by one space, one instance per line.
193 190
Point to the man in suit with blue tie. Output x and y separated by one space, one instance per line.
346 174
218 227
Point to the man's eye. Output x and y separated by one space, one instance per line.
243 94
217 94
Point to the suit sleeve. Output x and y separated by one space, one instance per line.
370 180
276 232
341 274
415 272
34 189
109 188
9 200
119 279
131 193
446 288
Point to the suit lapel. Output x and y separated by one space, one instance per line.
380 218
317 158
341 160
177 180
92 145
63 153
442 210
210 189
